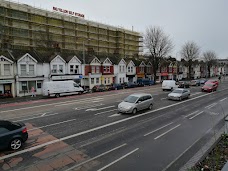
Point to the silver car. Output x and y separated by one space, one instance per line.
136 102
179 94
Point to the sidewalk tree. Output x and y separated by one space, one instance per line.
190 52
210 58
158 45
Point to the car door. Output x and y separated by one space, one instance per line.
5 137
147 101
140 103
185 93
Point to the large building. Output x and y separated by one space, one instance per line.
26 27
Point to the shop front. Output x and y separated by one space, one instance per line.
7 88
131 78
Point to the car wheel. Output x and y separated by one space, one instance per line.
57 95
150 107
134 111
188 96
15 144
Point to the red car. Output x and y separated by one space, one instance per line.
209 87
212 82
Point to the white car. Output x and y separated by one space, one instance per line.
136 102
169 85
179 94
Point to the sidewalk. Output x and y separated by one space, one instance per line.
20 99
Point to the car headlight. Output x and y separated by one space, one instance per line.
128 107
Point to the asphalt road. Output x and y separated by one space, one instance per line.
85 132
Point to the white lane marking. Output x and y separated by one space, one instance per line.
167 132
114 115
163 98
84 162
196 93
105 112
107 107
103 126
85 107
115 161
209 106
191 114
43 114
51 104
79 102
157 129
36 117
52 124
196 115
223 99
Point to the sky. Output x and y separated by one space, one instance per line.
202 21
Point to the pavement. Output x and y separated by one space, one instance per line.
85 132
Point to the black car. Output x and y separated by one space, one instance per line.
99 88
129 85
184 84
116 87
12 134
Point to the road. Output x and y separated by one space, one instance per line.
85 132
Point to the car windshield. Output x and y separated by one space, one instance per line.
209 85
131 99
177 91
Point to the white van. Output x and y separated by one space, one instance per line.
57 88
169 85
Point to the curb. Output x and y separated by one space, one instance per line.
204 151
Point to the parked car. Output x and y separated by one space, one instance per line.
179 94
99 88
136 102
115 87
195 83
209 87
213 82
129 85
169 85
145 82
12 134
184 84
203 81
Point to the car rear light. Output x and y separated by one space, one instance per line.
24 130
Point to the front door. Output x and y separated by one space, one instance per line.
7 89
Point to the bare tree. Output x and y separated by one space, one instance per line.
158 44
190 52
210 58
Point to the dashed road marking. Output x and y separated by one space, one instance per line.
196 115
167 132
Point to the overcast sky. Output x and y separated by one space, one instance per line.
202 21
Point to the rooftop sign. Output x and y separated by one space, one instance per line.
68 12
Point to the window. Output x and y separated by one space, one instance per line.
106 69
97 69
97 80
120 80
31 70
120 68
39 84
76 71
3 130
24 86
129 69
108 80
105 81
54 69
71 69
93 69
6 69
163 69
61 68
92 80
123 80
123 69
148 69
23 69
141 69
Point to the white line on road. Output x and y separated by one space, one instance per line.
36 117
52 124
85 107
157 129
43 114
121 158
191 114
79 102
211 105
196 93
84 162
163 98
105 112
196 115
107 107
104 126
167 132
114 115
223 99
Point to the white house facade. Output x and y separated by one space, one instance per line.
120 72
131 72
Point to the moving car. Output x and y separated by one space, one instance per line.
179 94
57 88
12 134
136 102
209 87
195 83
212 82
169 85
203 81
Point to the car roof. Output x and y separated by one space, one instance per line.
182 89
4 122
140 94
